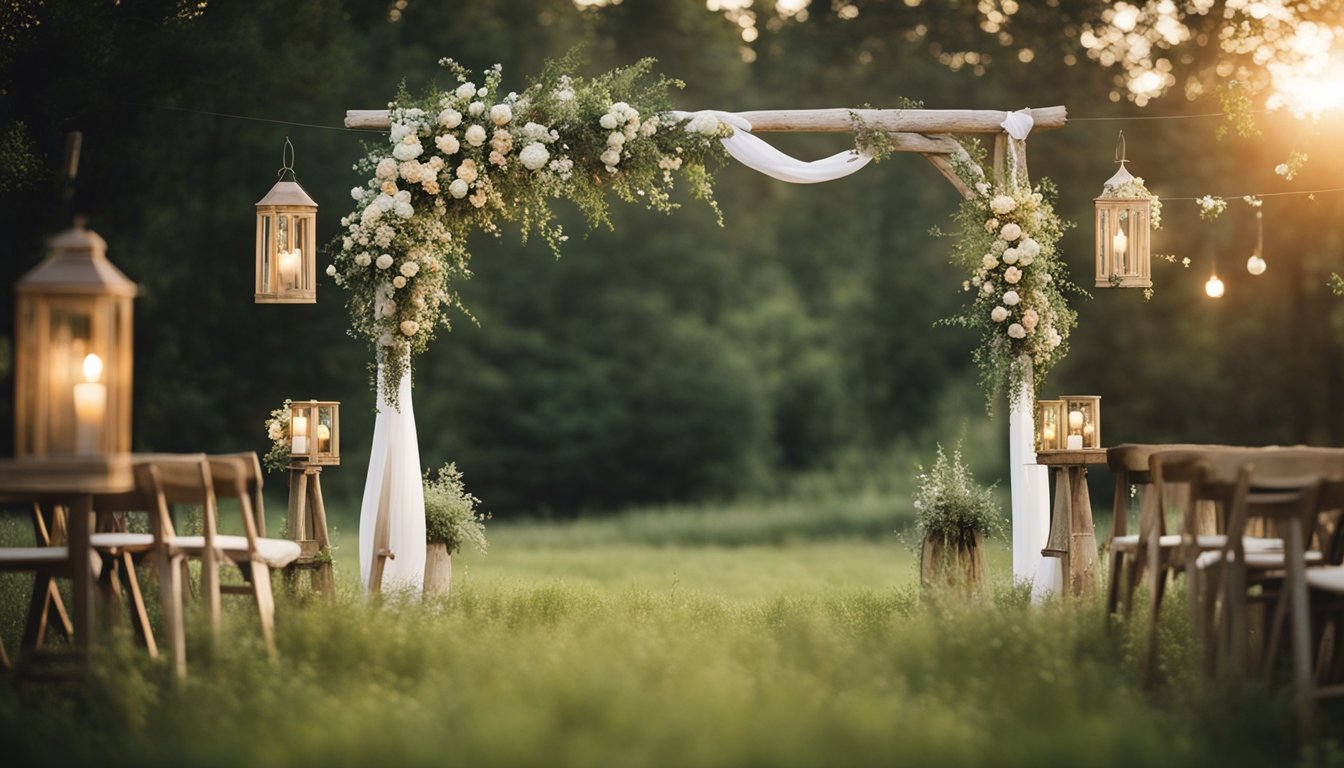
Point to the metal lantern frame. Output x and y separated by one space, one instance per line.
1050 425
315 433
1122 225
73 352
286 257
1088 428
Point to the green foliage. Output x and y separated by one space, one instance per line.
450 512
950 505
1238 112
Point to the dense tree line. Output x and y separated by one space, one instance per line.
669 358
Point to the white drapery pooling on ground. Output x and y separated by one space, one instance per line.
392 516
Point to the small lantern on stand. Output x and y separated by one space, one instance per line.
1050 421
286 241
72 394
1083 428
1123 216
315 442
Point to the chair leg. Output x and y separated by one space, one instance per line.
56 614
170 580
261 591
136 605
1113 583
35 630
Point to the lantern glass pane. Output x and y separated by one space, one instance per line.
325 430
299 431
267 253
303 249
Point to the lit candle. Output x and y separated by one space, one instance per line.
90 406
1120 242
323 438
1048 435
1088 435
1075 440
299 428
289 268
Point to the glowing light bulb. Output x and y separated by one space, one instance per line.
1214 288
1256 265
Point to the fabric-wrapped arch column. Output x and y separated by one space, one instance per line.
392 515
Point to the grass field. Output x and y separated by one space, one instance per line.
641 641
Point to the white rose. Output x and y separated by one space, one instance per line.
363 259
998 314
410 269
387 169
1029 247
1010 256
608 121
1016 331
331 270
458 189
467 171
384 261
466 90
370 214
612 156
1010 232
534 156
1002 204
1011 298
989 261
987 287
357 193
447 143
409 327
616 139
475 135
450 118
1025 259
1012 275
398 282
501 114
475 109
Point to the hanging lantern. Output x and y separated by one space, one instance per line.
286 241
315 432
1123 217
72 393
1256 264
1083 425
1050 421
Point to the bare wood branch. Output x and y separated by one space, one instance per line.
944 167
838 120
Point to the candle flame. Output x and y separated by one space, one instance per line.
93 367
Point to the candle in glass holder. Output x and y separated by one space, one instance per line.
1048 434
289 268
299 428
90 406
323 438
1089 436
1075 439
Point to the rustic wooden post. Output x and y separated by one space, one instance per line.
307 524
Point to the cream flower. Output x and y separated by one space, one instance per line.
410 268
616 139
998 314
475 135
1010 256
608 121
1011 298
992 225
398 282
387 169
1029 319
466 90
467 171
611 157
363 260
384 261
408 149
1010 232
409 327
1016 331
447 144
534 156
475 109
331 270
1030 247
458 189
987 287
1012 275
501 114
1002 204
450 118
989 261
357 193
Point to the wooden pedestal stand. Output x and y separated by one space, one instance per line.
308 526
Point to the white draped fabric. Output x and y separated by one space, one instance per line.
753 152
393 512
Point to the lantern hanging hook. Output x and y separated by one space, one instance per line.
1120 148
287 162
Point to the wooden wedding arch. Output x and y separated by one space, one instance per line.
929 132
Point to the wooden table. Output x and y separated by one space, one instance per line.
72 482
1073 536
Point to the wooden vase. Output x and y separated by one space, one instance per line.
951 564
438 569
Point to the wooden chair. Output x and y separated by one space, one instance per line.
191 480
46 563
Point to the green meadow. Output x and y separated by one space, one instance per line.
689 636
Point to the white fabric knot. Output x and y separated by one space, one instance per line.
755 153
1018 124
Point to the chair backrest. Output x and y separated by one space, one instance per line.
165 480
253 481
234 477
1129 463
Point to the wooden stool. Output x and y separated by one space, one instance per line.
307 524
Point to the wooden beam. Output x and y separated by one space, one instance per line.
910 121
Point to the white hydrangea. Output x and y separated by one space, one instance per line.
501 114
616 139
998 314
534 156
475 135
608 121
404 210
704 124
408 150
535 132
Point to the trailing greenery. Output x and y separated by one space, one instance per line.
450 512
950 505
